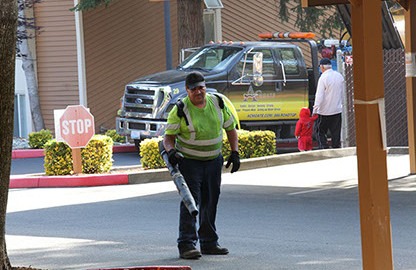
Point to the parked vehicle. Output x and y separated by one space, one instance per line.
268 82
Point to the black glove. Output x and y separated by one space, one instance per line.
234 158
174 157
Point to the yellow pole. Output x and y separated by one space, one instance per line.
371 154
410 45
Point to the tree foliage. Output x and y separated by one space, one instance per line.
313 19
25 23
90 4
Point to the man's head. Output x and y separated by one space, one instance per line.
325 64
195 87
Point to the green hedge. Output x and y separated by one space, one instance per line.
149 153
96 157
38 139
112 133
251 144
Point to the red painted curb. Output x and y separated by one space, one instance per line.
28 153
148 268
124 148
84 180
35 153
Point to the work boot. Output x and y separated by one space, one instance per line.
214 250
189 254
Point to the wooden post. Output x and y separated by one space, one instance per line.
371 154
410 45
77 161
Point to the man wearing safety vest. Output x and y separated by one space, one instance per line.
196 132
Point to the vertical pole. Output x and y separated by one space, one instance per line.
168 35
410 45
77 162
344 130
371 153
217 25
82 81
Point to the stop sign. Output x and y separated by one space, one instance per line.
76 126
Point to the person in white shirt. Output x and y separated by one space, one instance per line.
328 105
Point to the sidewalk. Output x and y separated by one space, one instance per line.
136 175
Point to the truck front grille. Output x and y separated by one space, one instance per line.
141 100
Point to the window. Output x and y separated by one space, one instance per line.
209 26
209 58
268 63
19 128
213 4
289 60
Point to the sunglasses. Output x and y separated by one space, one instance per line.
201 88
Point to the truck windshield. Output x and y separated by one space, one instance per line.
209 58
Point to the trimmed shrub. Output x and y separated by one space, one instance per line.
251 144
38 139
95 158
58 158
112 133
149 153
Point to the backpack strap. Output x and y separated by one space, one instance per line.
220 101
181 105
180 111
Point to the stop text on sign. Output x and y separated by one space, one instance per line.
76 126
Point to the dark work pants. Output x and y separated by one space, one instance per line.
204 182
331 123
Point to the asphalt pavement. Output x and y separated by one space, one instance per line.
35 165
293 211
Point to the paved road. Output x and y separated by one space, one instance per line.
35 165
299 216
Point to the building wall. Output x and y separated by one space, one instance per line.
122 42
244 20
56 54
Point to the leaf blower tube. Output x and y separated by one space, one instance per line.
180 183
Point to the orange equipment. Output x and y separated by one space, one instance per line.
269 35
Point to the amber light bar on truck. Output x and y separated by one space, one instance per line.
269 35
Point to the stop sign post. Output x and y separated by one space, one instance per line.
76 126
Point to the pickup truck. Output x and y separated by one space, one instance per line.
267 81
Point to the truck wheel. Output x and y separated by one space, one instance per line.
137 145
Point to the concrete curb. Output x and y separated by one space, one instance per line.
158 175
84 180
141 176
35 153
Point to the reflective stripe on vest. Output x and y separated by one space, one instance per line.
229 122
193 141
197 153
172 126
